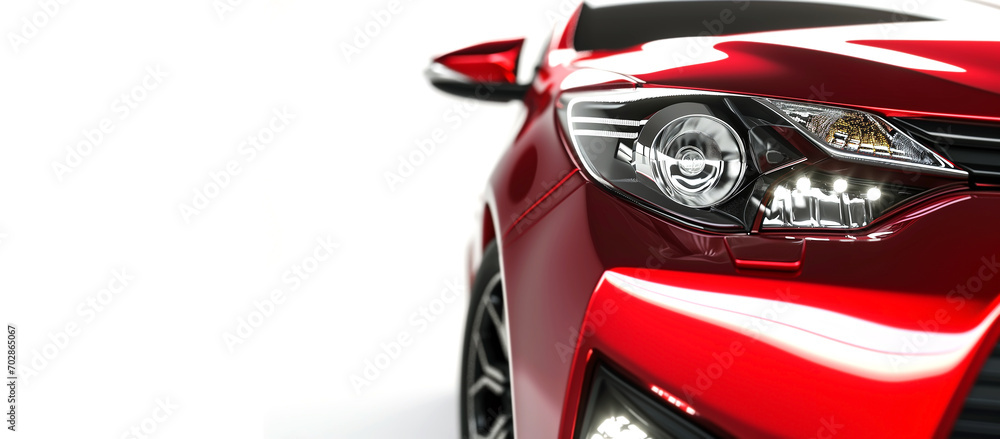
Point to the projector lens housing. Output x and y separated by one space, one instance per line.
698 160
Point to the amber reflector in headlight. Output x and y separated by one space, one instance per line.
856 135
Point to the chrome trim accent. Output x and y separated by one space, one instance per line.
611 134
625 153
607 121
961 137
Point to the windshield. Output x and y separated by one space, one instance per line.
622 26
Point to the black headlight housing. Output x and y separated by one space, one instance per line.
732 163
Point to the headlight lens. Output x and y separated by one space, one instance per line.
728 162
861 136
698 160
820 200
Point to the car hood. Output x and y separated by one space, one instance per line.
895 68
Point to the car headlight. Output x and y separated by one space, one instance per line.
729 163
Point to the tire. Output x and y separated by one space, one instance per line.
485 398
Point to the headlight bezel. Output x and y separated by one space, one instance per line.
648 194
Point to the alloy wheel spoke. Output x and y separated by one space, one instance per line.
499 324
494 373
500 428
488 383
488 372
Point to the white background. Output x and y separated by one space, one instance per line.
161 339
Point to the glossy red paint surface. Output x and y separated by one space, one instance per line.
545 197
838 79
494 62
763 392
766 253
786 387
980 60
870 333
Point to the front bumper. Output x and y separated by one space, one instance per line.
752 359
869 336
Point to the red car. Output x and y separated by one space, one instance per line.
741 219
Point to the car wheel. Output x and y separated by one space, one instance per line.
486 396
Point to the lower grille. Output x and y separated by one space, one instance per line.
980 417
973 146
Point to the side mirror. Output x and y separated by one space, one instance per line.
486 71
